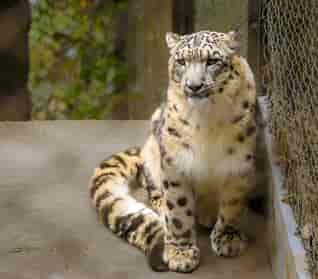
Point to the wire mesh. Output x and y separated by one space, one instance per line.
291 78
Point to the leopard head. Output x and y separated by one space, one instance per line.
199 63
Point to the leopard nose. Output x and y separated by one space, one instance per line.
194 87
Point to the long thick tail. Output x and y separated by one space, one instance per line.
120 211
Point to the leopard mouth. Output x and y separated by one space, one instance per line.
198 96
203 93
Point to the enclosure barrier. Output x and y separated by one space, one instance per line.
290 79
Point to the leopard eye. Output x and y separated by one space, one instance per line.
181 62
212 61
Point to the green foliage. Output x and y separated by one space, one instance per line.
74 72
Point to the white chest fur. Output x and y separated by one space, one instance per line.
215 151
213 157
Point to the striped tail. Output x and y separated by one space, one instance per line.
121 212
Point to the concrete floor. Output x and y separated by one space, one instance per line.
48 229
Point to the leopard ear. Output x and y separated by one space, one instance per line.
233 39
172 39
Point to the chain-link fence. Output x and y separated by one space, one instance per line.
291 78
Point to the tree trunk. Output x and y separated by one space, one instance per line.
147 54
15 18
223 16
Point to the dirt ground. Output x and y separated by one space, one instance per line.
48 229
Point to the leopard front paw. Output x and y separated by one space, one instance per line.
181 259
228 241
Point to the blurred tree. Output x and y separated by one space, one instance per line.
75 71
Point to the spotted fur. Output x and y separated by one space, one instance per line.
197 164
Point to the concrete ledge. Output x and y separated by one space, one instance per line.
287 253
48 229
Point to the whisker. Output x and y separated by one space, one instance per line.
211 86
